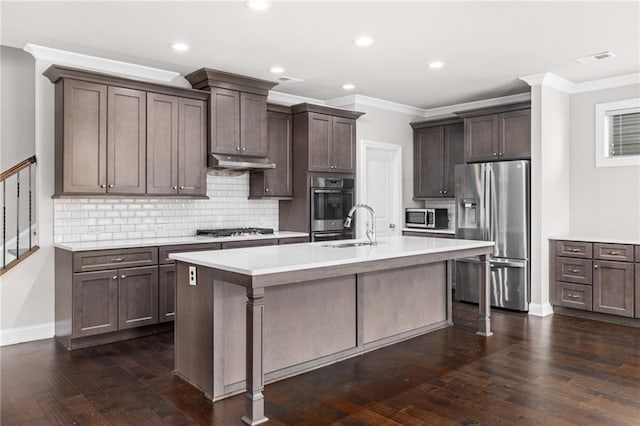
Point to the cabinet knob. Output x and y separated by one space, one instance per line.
237 148
266 190
595 266
181 186
111 185
495 154
444 192
115 277
123 276
499 154
440 192
175 187
103 186
244 149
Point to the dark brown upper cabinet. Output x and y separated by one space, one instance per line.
327 135
276 182
438 146
116 136
497 133
238 111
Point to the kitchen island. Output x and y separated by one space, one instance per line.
267 313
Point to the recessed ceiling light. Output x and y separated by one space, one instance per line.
276 70
348 86
258 4
180 47
436 64
363 41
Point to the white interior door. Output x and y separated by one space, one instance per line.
379 185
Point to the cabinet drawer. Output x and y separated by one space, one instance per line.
99 260
621 252
165 251
575 249
251 243
574 296
577 271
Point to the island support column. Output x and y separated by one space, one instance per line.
484 296
254 408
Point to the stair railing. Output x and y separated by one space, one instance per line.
12 183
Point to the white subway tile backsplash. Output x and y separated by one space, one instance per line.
97 219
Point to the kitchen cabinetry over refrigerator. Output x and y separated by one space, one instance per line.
493 204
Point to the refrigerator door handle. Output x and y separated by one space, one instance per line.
507 263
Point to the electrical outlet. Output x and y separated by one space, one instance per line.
192 275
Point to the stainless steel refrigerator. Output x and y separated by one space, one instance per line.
493 204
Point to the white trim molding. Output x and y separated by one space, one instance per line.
448 111
11 336
95 63
288 99
538 310
566 86
376 103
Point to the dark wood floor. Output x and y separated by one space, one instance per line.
554 370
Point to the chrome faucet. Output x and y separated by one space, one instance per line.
371 226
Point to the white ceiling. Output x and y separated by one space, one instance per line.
486 45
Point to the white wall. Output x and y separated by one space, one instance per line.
391 127
605 201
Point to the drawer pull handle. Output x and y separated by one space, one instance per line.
574 250
573 296
614 252
117 259
574 271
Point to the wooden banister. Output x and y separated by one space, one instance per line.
15 169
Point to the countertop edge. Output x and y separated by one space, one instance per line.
595 239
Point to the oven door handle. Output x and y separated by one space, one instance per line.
332 191
333 234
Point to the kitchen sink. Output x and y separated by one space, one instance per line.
348 245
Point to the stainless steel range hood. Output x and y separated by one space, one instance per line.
238 163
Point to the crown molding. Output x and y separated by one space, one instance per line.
448 111
63 57
376 103
288 99
550 80
566 86
607 83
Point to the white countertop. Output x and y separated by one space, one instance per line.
596 239
286 258
431 231
168 241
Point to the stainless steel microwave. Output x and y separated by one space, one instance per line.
426 218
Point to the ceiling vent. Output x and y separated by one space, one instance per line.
287 79
596 57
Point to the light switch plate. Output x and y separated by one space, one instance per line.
192 275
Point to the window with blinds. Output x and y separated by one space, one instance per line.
623 132
618 133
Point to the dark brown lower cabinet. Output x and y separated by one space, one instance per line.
613 287
166 293
637 310
137 297
95 303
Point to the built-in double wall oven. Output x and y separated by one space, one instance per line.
331 200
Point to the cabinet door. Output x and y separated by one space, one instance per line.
343 145
162 144
224 135
126 141
515 135
637 305
480 138
137 297
166 293
453 155
192 153
253 124
428 162
613 288
319 133
277 182
95 303
84 138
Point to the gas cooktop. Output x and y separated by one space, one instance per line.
234 232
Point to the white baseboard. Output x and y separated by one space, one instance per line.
538 310
11 336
